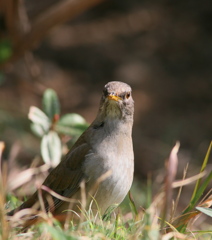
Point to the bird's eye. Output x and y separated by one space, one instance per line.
105 91
127 95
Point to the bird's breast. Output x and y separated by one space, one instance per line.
113 154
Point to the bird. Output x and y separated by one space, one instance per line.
104 149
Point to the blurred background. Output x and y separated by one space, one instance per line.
161 48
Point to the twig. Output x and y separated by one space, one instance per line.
10 11
59 13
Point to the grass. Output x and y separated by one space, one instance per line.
158 219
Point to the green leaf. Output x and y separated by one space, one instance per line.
199 193
70 131
51 105
51 149
71 124
207 211
37 129
39 117
2 78
132 205
204 165
5 50
71 120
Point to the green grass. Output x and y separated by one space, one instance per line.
140 216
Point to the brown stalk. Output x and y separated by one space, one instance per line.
9 10
57 14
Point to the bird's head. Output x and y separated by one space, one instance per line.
117 101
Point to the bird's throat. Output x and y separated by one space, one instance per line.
113 111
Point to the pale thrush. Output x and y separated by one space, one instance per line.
105 147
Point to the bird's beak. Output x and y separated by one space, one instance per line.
113 97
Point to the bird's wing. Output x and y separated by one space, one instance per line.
65 179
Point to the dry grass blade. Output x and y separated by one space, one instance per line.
183 220
191 216
4 224
206 203
27 217
2 146
171 170
187 181
176 202
175 235
25 176
65 199
18 217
